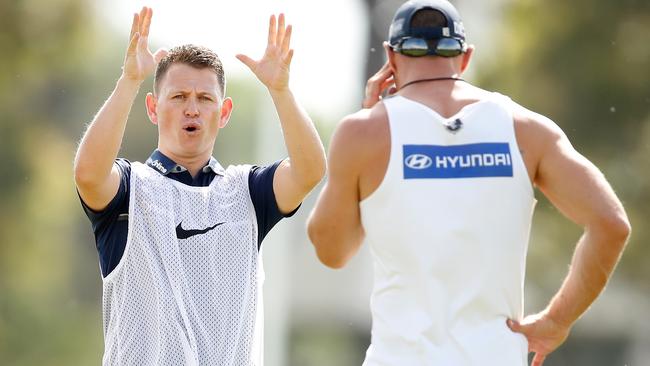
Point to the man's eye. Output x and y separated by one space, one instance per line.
178 96
206 98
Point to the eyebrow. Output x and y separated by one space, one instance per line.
185 91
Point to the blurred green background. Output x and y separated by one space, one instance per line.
585 64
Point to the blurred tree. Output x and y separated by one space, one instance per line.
44 316
585 65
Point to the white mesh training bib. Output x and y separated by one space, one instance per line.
448 230
187 289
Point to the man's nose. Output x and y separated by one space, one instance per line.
191 108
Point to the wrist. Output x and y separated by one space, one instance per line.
129 83
280 92
556 317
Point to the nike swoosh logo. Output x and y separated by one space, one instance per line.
184 234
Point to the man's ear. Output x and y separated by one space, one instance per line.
467 57
390 56
226 110
151 103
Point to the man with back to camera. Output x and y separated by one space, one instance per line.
438 178
179 237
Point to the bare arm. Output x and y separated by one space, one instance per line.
299 174
96 177
334 226
581 192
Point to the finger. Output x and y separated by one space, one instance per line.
280 33
159 55
134 26
386 83
142 43
143 14
133 44
372 96
146 23
246 61
376 85
538 360
288 58
383 72
272 31
286 42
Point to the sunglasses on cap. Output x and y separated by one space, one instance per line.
418 47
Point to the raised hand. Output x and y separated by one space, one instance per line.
273 69
544 335
379 83
139 61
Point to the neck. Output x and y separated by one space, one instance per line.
440 78
193 164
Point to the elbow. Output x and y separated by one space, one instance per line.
331 261
616 226
82 176
85 175
326 253
621 228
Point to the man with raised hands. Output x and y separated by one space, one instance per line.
179 236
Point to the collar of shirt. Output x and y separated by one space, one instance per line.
164 165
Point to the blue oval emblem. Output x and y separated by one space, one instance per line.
418 161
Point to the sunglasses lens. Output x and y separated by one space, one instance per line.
449 47
414 47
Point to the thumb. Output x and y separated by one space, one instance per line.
160 54
514 325
246 61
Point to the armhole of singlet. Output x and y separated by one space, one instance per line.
390 164
507 104
135 169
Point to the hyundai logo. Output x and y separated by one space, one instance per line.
418 161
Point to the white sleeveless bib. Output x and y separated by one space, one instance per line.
448 229
187 290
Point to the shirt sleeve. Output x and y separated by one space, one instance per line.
260 185
110 225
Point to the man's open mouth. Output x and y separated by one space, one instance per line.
192 126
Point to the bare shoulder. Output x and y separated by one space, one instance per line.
364 123
360 150
536 135
530 122
361 133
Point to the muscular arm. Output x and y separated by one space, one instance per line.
299 174
334 226
578 189
96 177
581 192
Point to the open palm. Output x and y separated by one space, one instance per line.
273 69
139 61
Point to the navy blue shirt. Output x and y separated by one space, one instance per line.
110 225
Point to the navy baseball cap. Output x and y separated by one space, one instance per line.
401 28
